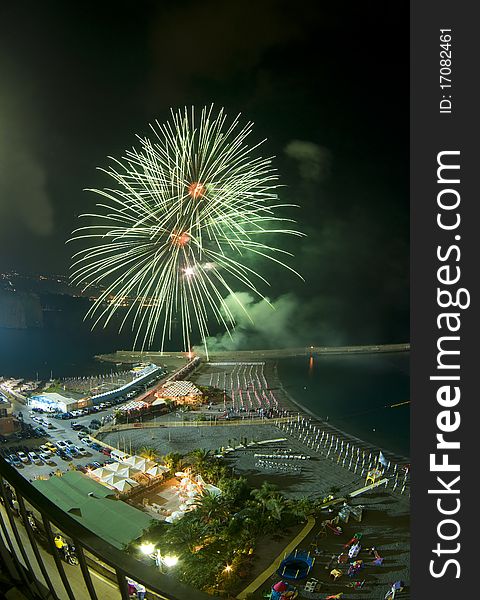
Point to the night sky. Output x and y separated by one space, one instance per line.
326 83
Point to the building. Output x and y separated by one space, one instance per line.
8 423
51 401
144 376
180 392
96 507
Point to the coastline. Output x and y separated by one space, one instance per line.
276 383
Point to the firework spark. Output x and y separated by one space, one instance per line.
173 232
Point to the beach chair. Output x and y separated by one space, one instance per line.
311 585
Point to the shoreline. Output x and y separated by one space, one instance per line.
327 425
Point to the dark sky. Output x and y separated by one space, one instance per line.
326 83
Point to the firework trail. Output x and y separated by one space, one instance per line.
172 233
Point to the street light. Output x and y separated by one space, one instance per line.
168 560
147 548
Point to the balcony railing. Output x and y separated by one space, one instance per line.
36 567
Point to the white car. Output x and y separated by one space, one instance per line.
46 457
80 451
45 449
23 457
34 458
61 445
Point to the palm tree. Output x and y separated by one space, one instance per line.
262 495
148 453
200 456
172 460
275 507
234 491
186 533
211 507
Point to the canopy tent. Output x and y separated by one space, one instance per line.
112 479
142 464
116 466
101 473
159 402
127 472
124 485
175 516
157 470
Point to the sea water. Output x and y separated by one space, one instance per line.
356 393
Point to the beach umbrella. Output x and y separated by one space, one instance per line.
281 586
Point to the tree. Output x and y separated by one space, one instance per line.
234 491
172 460
149 453
263 494
211 507
200 457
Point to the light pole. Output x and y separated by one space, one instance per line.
163 562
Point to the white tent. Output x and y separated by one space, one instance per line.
137 461
158 402
116 466
112 479
101 472
175 516
125 485
127 472
156 470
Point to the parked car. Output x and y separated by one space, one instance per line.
33 456
50 447
23 457
47 457
14 460
61 445
96 446
81 451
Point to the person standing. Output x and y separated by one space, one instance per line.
141 591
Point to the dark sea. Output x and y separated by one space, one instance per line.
356 393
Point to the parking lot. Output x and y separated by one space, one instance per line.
51 441
54 442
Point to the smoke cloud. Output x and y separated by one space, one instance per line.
23 196
24 202
313 161
282 323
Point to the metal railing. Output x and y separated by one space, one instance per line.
36 567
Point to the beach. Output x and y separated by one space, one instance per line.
336 461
